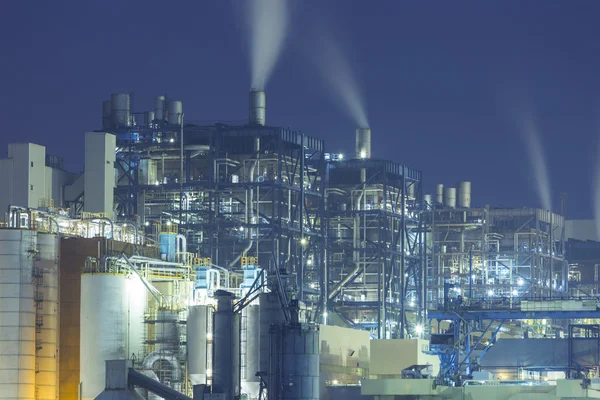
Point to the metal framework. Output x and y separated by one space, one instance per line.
375 252
233 191
495 256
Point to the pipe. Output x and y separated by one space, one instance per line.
136 378
164 356
183 247
351 276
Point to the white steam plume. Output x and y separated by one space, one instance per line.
335 70
267 22
538 162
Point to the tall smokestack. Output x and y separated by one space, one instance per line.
257 110
363 143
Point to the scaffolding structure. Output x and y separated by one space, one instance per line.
234 191
494 257
375 244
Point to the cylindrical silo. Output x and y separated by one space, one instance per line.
103 334
427 200
17 314
148 117
46 358
271 313
450 197
159 106
439 194
167 331
106 114
137 297
120 109
257 108
250 351
197 342
363 143
300 363
226 347
175 113
464 194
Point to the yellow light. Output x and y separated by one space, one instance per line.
304 241
168 223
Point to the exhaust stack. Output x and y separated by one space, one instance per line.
257 109
363 143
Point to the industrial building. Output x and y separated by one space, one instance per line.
232 261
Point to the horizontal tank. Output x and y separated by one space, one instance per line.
17 314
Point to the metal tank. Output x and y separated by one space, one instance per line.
159 106
450 197
175 114
137 300
363 143
427 200
257 108
17 314
250 351
300 363
103 334
197 342
106 114
148 117
226 347
47 316
464 194
271 314
439 194
120 109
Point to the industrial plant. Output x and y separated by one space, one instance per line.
247 261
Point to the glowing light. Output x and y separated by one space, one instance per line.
490 292
309 261
208 372
419 329
356 321
412 304
341 156
168 223
520 282
363 154
147 223
209 336
171 140
515 292
325 314
304 241
335 382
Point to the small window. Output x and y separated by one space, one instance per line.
32 164
31 187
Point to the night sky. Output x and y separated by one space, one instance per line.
446 83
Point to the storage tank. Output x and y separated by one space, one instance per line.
450 197
427 200
300 363
257 108
159 106
137 299
17 314
226 347
167 331
439 194
148 118
197 342
47 316
106 114
270 314
250 351
120 109
106 324
363 143
464 194
175 114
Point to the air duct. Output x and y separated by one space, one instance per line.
464 194
120 109
175 112
159 106
257 110
439 194
363 143
450 197
106 114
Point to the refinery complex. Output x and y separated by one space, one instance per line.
243 261
247 261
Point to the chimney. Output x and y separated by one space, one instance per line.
363 143
257 109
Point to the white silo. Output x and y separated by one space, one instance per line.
450 197
464 194
17 314
250 351
46 380
175 112
439 194
110 322
197 326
